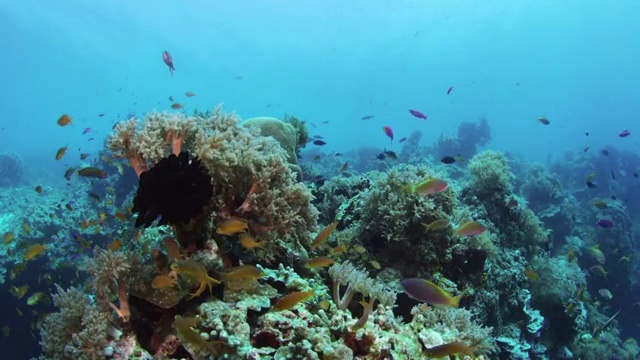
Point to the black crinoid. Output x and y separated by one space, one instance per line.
174 191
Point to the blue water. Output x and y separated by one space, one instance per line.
573 61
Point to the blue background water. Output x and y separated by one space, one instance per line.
573 61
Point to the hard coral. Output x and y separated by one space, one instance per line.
79 330
11 169
175 190
237 158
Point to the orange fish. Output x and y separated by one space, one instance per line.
532 275
8 238
243 272
121 216
64 120
320 262
61 152
172 248
115 245
470 228
323 235
233 226
162 281
248 242
292 299
452 348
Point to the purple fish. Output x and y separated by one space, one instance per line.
428 292
418 114
86 131
624 133
389 132
607 224
169 61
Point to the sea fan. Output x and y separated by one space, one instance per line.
174 191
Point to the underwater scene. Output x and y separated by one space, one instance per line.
331 180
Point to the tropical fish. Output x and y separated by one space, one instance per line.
232 226
367 117
390 154
448 160
543 120
606 294
428 292
9 237
34 298
597 254
320 262
599 270
428 186
162 281
323 235
449 90
436 225
83 156
92 172
402 140
452 348
418 114
624 133
190 94
60 153
115 245
343 167
389 132
86 131
64 120
176 106
292 299
196 271
19 292
249 242
39 189
68 173
34 251
470 228
319 142
168 59
242 273
532 275
605 223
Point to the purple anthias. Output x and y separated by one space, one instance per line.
607 224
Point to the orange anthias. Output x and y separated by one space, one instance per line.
196 271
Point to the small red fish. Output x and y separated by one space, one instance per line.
624 133
166 57
418 114
389 132
449 90
86 131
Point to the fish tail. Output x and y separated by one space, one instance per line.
455 301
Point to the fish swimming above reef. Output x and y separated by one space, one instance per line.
418 114
624 133
543 120
168 59
428 186
428 292
605 223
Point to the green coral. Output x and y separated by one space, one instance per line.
301 130
490 170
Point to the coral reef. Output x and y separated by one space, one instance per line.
11 169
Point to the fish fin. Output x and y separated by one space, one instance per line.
455 301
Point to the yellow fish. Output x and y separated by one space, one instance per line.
323 235
34 251
233 226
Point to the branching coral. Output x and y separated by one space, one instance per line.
358 281
110 271
453 324
77 331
